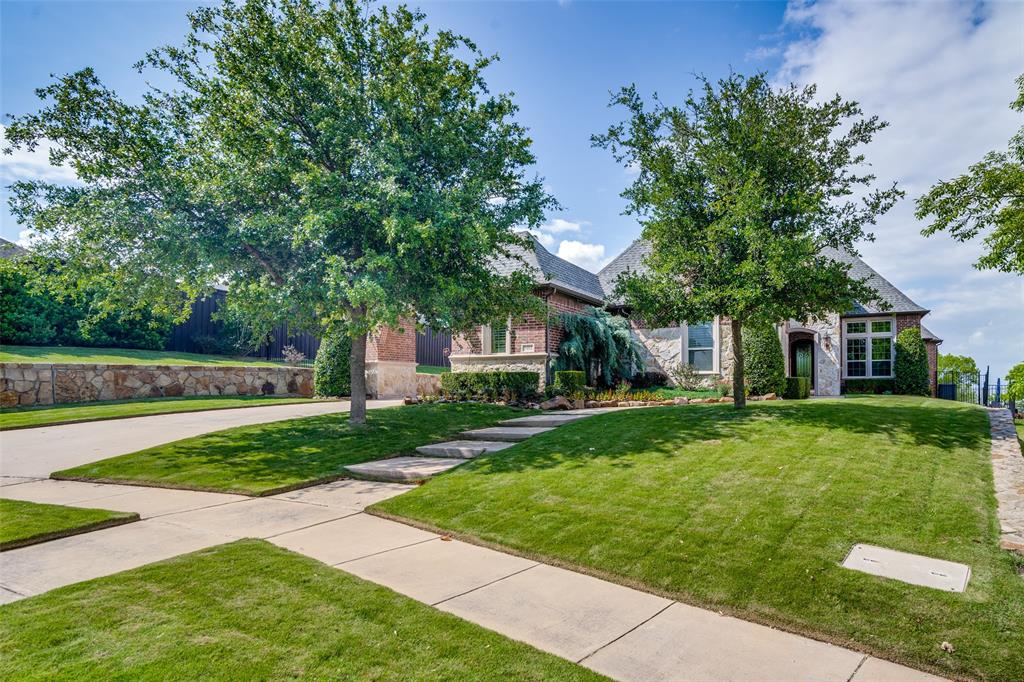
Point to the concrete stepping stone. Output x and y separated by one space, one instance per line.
404 469
909 568
544 420
505 433
463 449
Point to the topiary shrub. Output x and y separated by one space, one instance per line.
489 385
797 388
570 381
911 371
331 370
764 364
649 380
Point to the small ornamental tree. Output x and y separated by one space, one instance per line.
989 199
739 190
333 165
911 370
596 338
331 368
766 366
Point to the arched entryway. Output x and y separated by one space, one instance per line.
801 355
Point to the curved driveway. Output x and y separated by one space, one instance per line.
36 453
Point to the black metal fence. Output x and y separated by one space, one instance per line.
978 388
433 348
201 333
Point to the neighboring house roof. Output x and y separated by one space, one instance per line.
928 335
632 260
9 249
554 271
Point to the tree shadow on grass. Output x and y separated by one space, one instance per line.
616 436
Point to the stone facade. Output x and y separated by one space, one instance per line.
502 362
391 362
828 368
46 384
661 348
428 384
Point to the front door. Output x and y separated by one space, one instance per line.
803 356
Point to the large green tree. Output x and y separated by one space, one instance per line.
339 166
988 198
739 190
961 364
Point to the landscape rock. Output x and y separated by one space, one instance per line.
726 399
770 396
556 403
591 404
681 400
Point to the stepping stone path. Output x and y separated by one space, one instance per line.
440 457
1008 475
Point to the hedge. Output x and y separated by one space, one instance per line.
331 376
876 386
649 380
570 380
489 385
763 362
911 371
797 388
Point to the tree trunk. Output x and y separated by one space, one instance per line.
739 392
357 373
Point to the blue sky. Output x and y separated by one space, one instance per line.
941 73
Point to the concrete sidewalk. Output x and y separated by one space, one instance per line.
36 453
615 630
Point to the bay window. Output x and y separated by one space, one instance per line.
869 349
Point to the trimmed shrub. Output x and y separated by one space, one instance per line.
872 386
911 371
489 385
797 388
764 365
570 380
331 370
649 380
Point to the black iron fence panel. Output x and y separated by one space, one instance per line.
433 348
965 387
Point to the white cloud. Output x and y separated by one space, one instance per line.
546 240
558 226
26 238
761 53
587 256
35 165
942 75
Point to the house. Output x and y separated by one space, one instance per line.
833 352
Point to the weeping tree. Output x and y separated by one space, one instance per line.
340 165
596 338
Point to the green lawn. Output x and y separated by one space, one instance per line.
751 512
26 523
45 415
668 392
118 356
432 369
252 611
262 459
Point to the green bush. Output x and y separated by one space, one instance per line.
489 385
911 371
38 308
570 380
765 367
873 386
649 380
331 370
797 388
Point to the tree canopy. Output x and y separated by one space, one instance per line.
988 198
338 166
960 364
739 190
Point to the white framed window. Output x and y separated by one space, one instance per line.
700 346
868 348
494 338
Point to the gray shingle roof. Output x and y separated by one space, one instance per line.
928 335
632 258
550 269
9 249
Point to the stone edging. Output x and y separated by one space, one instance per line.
1008 475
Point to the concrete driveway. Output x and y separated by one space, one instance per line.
36 453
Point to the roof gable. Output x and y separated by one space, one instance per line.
547 268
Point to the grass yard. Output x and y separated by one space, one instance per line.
751 512
48 415
119 356
246 611
432 369
28 523
266 458
668 392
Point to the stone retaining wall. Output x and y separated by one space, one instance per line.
502 362
46 384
